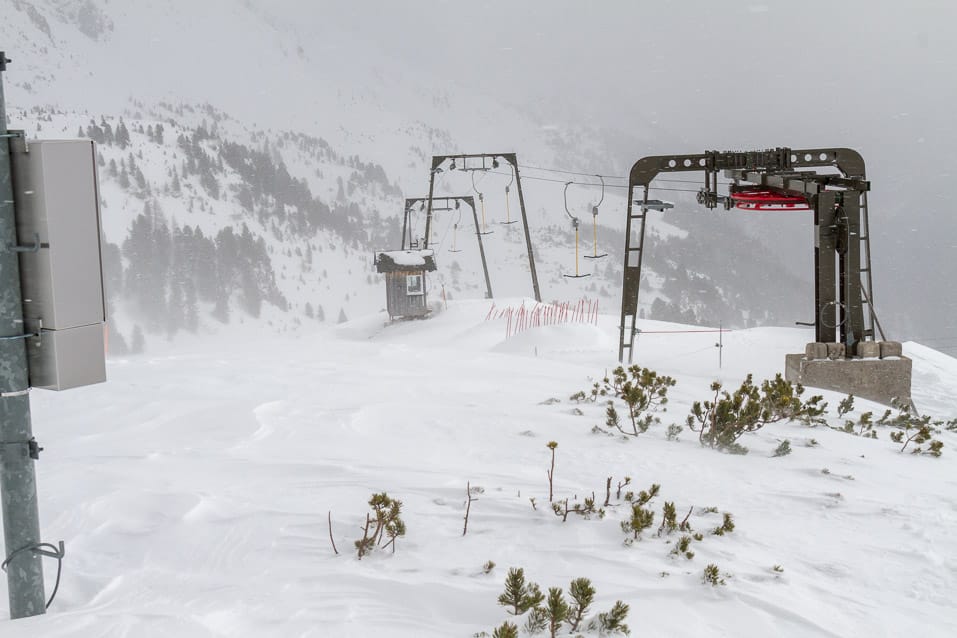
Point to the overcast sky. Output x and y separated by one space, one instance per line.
737 72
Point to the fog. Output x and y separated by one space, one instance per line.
694 75
631 78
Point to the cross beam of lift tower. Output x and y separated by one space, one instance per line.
789 179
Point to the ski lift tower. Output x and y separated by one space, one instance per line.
469 162
831 182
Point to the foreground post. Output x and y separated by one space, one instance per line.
18 487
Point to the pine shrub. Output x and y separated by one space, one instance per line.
784 449
643 391
669 516
556 610
582 594
641 518
507 630
846 405
519 595
611 622
726 527
683 548
383 526
914 429
721 421
537 621
712 576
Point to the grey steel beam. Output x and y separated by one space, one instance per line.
852 328
825 281
528 238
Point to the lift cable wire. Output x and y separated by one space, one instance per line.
619 177
596 185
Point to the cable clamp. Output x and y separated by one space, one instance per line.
29 248
33 447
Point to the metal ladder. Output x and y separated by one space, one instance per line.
870 316
632 273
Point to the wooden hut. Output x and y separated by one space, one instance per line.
405 286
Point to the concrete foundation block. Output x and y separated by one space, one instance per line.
891 349
880 380
869 350
814 351
835 350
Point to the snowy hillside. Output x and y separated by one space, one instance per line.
210 472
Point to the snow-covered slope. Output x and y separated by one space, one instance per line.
194 489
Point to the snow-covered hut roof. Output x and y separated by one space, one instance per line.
394 260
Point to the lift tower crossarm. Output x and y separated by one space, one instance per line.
847 160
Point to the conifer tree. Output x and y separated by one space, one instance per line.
669 522
582 594
107 130
557 610
507 630
519 595
612 621
641 518
385 521
537 621
122 135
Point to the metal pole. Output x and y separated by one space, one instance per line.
428 215
720 343
513 160
18 485
478 234
405 224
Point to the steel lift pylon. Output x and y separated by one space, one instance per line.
775 179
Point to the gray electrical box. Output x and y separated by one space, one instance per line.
58 229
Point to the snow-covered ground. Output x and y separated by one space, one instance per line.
193 489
